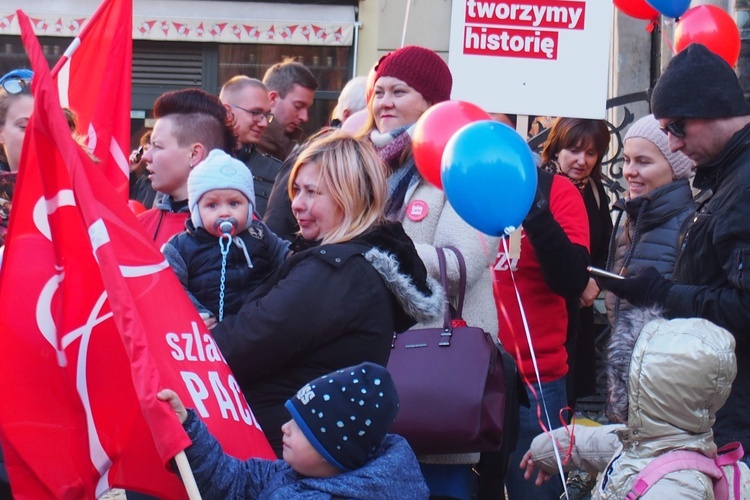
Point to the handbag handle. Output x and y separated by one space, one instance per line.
462 279
448 319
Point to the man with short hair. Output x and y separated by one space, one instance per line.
247 99
700 106
291 90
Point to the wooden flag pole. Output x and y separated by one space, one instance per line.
187 476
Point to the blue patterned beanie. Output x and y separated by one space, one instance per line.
346 414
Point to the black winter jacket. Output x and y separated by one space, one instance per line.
649 235
195 256
712 271
264 169
326 308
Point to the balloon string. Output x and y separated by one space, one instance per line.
541 400
666 40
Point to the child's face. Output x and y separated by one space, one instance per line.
223 204
300 454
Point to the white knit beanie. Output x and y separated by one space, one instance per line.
648 128
219 171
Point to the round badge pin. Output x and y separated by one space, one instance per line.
417 210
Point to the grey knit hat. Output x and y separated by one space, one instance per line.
698 84
648 128
219 171
346 414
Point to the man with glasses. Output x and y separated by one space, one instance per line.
291 89
247 99
700 106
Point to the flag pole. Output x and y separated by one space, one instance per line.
77 40
187 476
406 22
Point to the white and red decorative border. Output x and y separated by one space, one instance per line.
195 30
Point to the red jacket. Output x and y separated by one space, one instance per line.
161 224
546 310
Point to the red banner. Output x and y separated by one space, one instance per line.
94 80
93 324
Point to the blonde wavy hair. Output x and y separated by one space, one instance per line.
351 171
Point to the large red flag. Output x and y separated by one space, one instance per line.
92 324
94 80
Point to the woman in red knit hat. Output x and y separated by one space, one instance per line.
407 82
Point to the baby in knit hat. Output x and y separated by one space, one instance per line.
336 445
224 253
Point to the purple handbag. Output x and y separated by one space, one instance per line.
451 383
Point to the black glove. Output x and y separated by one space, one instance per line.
647 288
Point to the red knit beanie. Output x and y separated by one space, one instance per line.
421 69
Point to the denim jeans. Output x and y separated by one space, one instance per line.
518 488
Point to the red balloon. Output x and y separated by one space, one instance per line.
433 130
638 9
136 207
711 26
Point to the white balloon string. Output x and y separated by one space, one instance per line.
558 459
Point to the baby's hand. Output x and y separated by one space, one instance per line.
175 403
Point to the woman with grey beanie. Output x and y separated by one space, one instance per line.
657 202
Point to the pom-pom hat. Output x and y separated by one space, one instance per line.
421 69
219 171
346 414
648 128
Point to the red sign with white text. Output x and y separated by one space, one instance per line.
510 42
554 14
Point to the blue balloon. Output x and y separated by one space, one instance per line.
670 8
489 176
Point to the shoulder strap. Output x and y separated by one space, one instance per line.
447 323
462 279
676 461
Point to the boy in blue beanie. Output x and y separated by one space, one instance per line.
335 445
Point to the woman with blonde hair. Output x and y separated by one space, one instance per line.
337 303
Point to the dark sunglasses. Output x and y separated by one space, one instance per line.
16 85
676 128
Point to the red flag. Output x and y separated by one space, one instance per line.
92 324
94 80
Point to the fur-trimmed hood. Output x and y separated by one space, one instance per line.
668 377
394 257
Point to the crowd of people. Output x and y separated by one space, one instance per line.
305 258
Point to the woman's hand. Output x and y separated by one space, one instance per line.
527 462
171 397
589 294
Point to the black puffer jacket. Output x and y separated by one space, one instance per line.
195 256
327 308
649 235
713 271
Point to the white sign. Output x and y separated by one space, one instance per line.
532 57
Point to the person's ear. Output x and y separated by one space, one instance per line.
198 153
273 97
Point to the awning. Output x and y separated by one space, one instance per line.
200 21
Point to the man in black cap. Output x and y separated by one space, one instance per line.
700 106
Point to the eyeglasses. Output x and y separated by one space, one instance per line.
16 85
257 114
676 128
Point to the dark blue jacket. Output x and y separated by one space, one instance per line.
195 257
649 236
393 473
